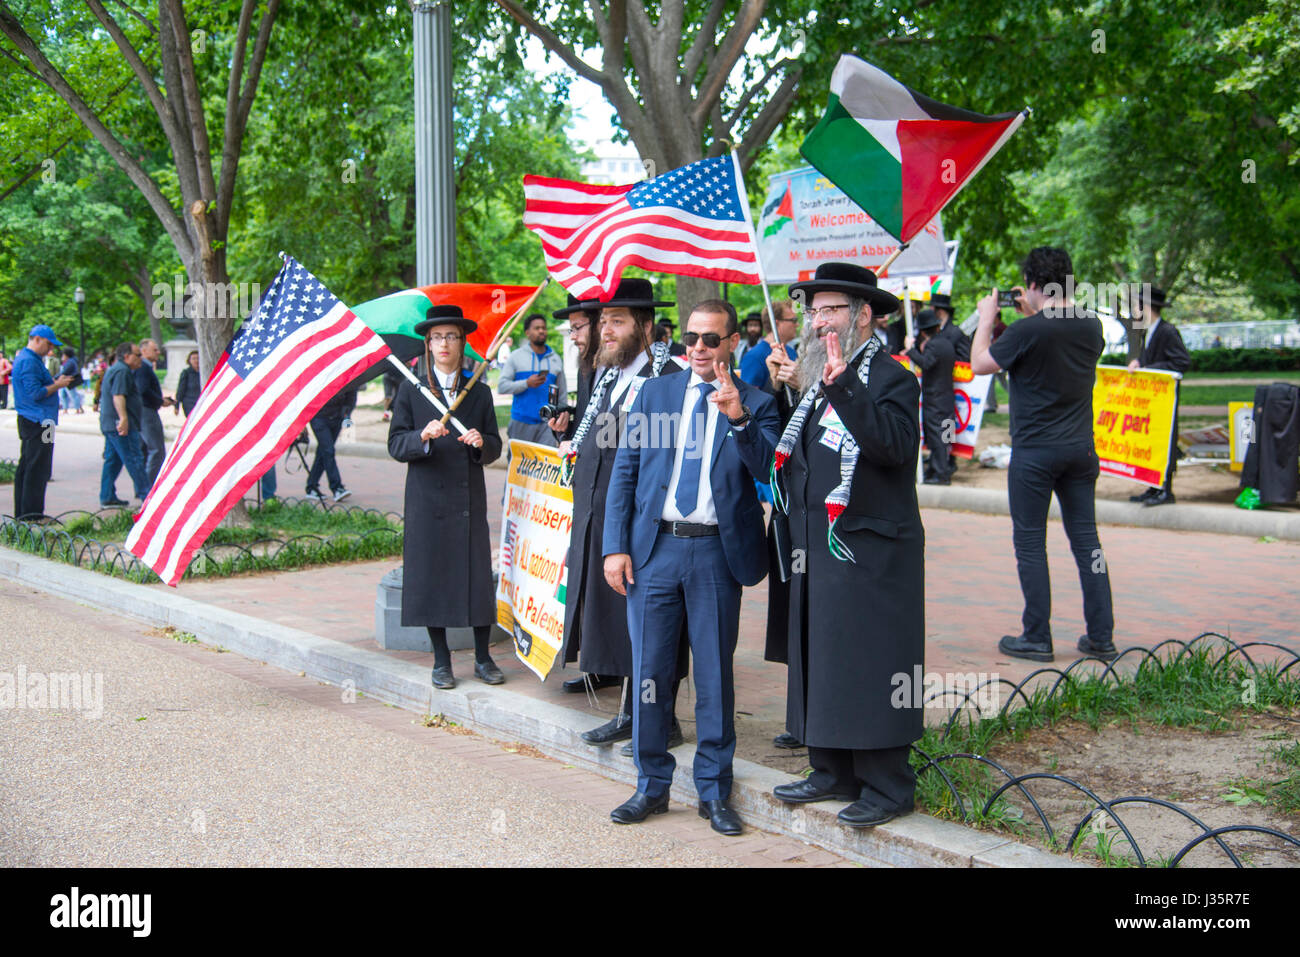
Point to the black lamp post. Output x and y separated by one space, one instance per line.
80 296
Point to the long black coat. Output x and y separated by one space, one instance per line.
854 626
1163 348
959 341
595 616
446 549
936 362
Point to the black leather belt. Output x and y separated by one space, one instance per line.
687 529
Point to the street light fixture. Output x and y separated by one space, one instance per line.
80 297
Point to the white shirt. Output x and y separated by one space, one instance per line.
704 512
624 380
447 380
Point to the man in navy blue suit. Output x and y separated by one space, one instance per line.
683 533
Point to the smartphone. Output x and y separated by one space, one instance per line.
1008 300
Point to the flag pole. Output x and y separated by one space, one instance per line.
424 391
753 235
493 347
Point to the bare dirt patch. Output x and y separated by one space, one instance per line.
1191 768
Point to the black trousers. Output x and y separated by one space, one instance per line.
1070 472
35 460
933 424
883 776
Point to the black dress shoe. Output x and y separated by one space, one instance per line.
638 807
867 814
721 817
1144 496
1106 652
805 792
675 737
579 684
488 673
618 728
1162 497
1017 647
443 678
935 480
787 741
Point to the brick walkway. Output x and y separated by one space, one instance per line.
1166 584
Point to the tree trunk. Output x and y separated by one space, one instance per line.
692 290
145 288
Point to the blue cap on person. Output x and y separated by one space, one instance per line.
45 332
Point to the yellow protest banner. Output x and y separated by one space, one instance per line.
1132 420
536 519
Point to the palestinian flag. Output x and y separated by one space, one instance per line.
394 316
784 212
899 155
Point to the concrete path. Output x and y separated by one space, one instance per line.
199 758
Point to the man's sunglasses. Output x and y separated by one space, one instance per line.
711 339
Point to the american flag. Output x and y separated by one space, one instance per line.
508 545
300 346
693 221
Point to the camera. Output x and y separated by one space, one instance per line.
553 408
1008 300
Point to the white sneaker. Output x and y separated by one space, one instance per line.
314 493
341 494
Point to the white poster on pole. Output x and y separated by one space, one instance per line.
807 220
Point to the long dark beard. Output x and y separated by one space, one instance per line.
812 352
621 353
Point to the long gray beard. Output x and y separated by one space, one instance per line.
812 352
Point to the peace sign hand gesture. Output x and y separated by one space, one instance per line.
835 364
725 394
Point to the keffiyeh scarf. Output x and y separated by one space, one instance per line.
658 358
838 500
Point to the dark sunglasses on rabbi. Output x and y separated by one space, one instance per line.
711 339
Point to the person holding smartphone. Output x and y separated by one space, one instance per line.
1051 359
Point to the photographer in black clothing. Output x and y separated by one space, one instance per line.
1051 359
933 354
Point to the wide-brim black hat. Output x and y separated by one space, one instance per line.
927 319
634 294
576 305
445 316
941 301
850 279
1152 296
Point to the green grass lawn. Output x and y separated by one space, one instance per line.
1217 394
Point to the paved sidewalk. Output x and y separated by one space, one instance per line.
196 758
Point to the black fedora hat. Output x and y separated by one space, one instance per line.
1152 296
927 319
634 294
850 279
941 301
576 305
445 316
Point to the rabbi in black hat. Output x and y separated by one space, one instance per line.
941 303
446 547
595 616
933 354
584 336
845 475
1162 348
